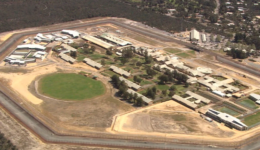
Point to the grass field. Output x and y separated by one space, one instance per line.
253 119
228 111
172 50
162 87
70 86
183 55
248 103
145 82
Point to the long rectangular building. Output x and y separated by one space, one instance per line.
145 99
120 71
194 35
185 102
115 40
67 47
92 63
67 58
203 99
97 41
227 119
130 84
31 46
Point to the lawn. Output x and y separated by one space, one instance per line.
220 78
248 103
162 87
70 86
252 119
173 50
145 82
110 73
96 56
183 55
228 111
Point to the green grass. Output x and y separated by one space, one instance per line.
252 119
173 50
109 72
145 82
80 57
96 56
228 111
248 103
162 87
183 55
220 78
70 86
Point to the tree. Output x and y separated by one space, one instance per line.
93 48
138 63
163 79
139 101
150 72
218 39
124 61
171 93
148 59
164 92
128 53
73 54
213 18
108 52
173 88
103 62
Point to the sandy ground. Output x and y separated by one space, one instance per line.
24 140
20 81
168 119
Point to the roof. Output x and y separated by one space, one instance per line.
97 41
92 63
203 99
194 34
130 84
255 96
71 33
120 71
115 39
31 46
226 117
67 47
219 93
145 99
67 58
184 101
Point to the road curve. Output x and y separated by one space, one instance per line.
48 136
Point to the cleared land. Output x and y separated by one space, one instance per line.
173 50
70 86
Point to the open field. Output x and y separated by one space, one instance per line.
228 111
173 50
248 104
252 119
168 118
71 86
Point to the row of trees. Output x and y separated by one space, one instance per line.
131 98
235 53
169 76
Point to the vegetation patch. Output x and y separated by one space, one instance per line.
173 50
162 87
248 104
252 119
70 86
183 55
228 111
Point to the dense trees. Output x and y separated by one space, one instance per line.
6 144
16 14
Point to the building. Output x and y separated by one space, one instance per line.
184 102
130 84
97 41
67 58
194 35
120 71
203 37
31 46
254 97
145 99
92 63
115 40
229 120
67 47
72 33
198 97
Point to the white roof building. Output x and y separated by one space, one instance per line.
72 33
203 37
97 41
120 71
92 63
115 40
254 97
67 58
31 46
194 35
145 99
130 84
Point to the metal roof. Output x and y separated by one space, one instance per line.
120 71
114 39
92 63
72 33
67 58
145 99
203 99
97 41
130 84
31 46
184 101
67 47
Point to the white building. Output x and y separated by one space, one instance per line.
227 119
203 37
72 33
31 46
194 35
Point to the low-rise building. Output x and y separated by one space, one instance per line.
148 101
92 63
185 102
67 58
130 84
120 71
227 119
